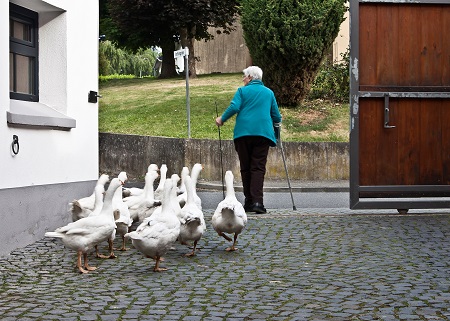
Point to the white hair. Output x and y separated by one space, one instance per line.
253 71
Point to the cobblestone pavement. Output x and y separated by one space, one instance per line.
301 265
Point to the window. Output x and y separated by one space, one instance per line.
37 67
23 54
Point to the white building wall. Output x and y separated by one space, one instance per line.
4 82
53 166
342 41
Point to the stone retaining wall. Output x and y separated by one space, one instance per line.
133 154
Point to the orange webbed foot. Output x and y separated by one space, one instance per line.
90 268
122 248
80 268
159 269
79 265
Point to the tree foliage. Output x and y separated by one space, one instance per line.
288 39
144 23
113 60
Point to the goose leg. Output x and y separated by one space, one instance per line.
123 248
226 237
111 249
111 252
161 259
185 243
79 265
233 247
157 268
193 250
97 254
86 265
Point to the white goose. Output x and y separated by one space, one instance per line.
155 236
116 214
136 203
150 204
182 196
191 218
84 206
124 221
83 234
229 216
184 173
173 196
159 189
134 191
196 169
99 192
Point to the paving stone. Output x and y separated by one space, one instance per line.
304 265
88 317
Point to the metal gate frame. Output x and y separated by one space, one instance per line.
401 204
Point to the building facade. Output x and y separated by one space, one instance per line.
48 126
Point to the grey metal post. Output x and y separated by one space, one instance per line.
277 129
188 104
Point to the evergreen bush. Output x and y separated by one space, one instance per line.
288 39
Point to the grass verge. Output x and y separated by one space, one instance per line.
157 107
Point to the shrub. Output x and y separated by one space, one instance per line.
288 40
333 80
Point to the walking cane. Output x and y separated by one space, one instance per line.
277 129
220 147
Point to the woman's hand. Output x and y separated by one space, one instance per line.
219 121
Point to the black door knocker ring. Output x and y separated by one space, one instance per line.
15 145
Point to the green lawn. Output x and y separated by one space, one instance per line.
155 107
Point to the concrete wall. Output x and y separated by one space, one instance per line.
27 212
133 154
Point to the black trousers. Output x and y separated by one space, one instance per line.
252 152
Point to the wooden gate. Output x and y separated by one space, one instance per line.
400 104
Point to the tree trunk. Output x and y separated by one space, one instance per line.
192 69
168 62
187 40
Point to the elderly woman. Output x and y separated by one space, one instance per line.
256 109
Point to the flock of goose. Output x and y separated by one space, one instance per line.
168 214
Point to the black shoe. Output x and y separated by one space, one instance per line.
258 208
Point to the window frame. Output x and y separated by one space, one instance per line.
25 48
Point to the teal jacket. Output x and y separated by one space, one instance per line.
256 109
